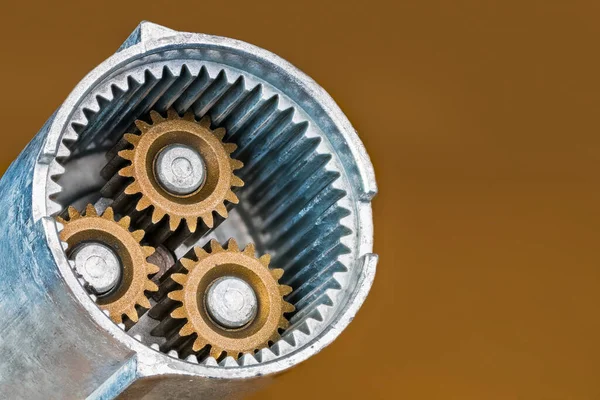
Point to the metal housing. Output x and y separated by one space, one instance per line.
56 342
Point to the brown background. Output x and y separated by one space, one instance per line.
482 121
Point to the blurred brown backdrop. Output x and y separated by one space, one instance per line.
482 121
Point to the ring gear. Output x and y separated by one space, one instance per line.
257 334
126 244
200 204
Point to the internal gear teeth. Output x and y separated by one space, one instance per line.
229 362
192 359
247 360
210 362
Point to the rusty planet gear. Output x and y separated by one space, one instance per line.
131 289
200 203
230 262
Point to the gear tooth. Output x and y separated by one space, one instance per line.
152 269
208 219
144 302
180 278
126 172
151 286
189 116
142 126
284 323
265 260
187 263
157 215
230 147
176 295
148 250
90 211
222 210
187 330
215 246
230 361
133 188
132 314
220 133
274 337
192 224
216 352
179 313
172 114
236 181
231 197
127 154
232 245
200 253
125 222
250 250
199 344
117 319
174 222
277 273
285 290
138 235
61 220
236 164
288 308
73 213
205 122
109 214
132 138
156 117
143 203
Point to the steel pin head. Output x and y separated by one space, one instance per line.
99 266
231 302
180 169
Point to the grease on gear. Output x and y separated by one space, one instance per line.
217 184
261 330
134 282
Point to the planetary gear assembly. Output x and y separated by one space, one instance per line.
193 220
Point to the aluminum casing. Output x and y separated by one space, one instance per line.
55 341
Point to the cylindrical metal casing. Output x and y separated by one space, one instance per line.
55 341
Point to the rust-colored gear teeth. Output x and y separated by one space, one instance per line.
130 292
189 303
153 198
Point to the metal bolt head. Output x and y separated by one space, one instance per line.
99 266
231 302
180 169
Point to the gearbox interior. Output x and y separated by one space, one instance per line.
203 213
